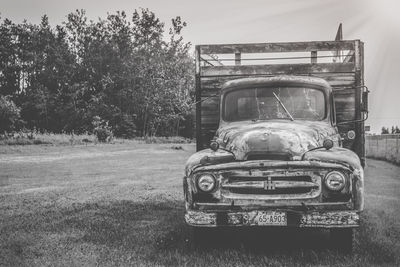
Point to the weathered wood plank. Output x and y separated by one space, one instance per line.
347 115
210 103
199 143
349 57
211 129
314 55
210 120
277 47
287 69
212 85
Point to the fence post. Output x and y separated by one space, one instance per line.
385 147
369 144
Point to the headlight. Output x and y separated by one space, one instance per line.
206 182
335 181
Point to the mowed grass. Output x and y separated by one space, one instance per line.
62 139
122 204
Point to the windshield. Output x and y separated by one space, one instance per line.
261 104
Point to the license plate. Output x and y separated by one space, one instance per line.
271 218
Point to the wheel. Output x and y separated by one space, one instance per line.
342 239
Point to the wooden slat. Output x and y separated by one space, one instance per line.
276 69
339 80
210 120
345 104
349 57
210 112
277 47
212 85
209 103
209 128
345 116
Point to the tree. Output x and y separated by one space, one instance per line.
121 69
385 130
9 114
395 130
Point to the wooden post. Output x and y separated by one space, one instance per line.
385 146
339 33
338 37
359 82
238 56
313 57
369 145
199 143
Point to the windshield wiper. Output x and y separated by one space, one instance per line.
283 106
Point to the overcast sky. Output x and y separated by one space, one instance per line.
376 22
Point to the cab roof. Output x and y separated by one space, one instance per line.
288 80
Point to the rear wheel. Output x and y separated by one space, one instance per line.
342 239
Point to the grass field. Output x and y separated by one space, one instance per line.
62 139
122 204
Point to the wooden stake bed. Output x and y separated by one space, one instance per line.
340 63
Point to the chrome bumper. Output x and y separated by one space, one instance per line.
314 219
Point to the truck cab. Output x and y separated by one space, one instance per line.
278 155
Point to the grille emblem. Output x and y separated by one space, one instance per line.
269 184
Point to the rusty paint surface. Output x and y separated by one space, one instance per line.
193 164
287 137
335 155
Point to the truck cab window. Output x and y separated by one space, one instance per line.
261 104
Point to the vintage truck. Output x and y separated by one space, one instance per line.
280 137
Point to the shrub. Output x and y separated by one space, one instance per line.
102 131
9 114
165 140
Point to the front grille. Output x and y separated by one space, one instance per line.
261 191
269 156
278 184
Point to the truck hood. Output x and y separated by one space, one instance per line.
286 140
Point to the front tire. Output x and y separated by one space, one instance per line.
342 239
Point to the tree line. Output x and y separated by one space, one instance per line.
393 130
123 72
